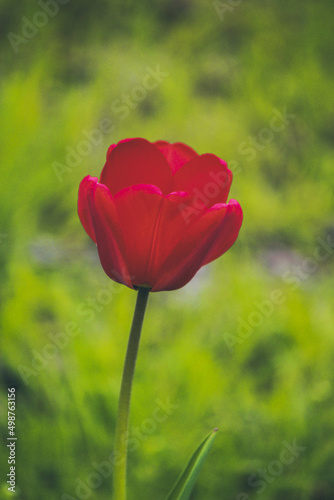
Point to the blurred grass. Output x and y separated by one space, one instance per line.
224 80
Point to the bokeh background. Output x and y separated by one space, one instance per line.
248 346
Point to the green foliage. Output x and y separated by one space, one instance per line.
185 483
248 346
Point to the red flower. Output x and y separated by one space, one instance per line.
159 213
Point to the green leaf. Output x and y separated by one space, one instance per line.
186 481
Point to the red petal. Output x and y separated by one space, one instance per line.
152 225
228 232
112 146
206 178
109 236
206 238
176 154
87 184
136 161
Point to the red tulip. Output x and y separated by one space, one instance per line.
159 213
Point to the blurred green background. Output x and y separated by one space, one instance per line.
248 345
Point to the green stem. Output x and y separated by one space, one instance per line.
122 422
